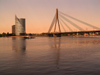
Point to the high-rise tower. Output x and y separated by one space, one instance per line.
13 29
20 26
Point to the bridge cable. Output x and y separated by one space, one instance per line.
51 26
72 23
66 25
79 20
62 26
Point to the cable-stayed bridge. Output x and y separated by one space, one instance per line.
65 21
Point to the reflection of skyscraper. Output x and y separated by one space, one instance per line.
19 48
19 44
13 29
20 26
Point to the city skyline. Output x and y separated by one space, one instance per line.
39 13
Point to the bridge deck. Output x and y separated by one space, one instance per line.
76 32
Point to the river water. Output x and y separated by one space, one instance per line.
50 56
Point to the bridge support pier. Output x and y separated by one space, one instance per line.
50 35
55 35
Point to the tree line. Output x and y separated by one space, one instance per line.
6 34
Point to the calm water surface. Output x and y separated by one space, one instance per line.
50 56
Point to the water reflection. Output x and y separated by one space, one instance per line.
73 49
87 40
93 41
19 45
56 47
19 48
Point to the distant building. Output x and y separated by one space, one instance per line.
13 29
19 26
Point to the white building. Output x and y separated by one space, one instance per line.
20 26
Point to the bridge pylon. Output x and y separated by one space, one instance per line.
54 23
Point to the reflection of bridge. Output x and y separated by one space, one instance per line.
61 20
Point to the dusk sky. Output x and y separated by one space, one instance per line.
39 13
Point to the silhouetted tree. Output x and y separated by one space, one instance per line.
7 34
0 35
3 34
30 34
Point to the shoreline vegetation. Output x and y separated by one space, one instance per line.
45 35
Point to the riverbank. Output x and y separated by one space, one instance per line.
62 36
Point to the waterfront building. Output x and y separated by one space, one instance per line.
13 29
20 26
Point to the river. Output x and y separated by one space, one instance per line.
50 56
